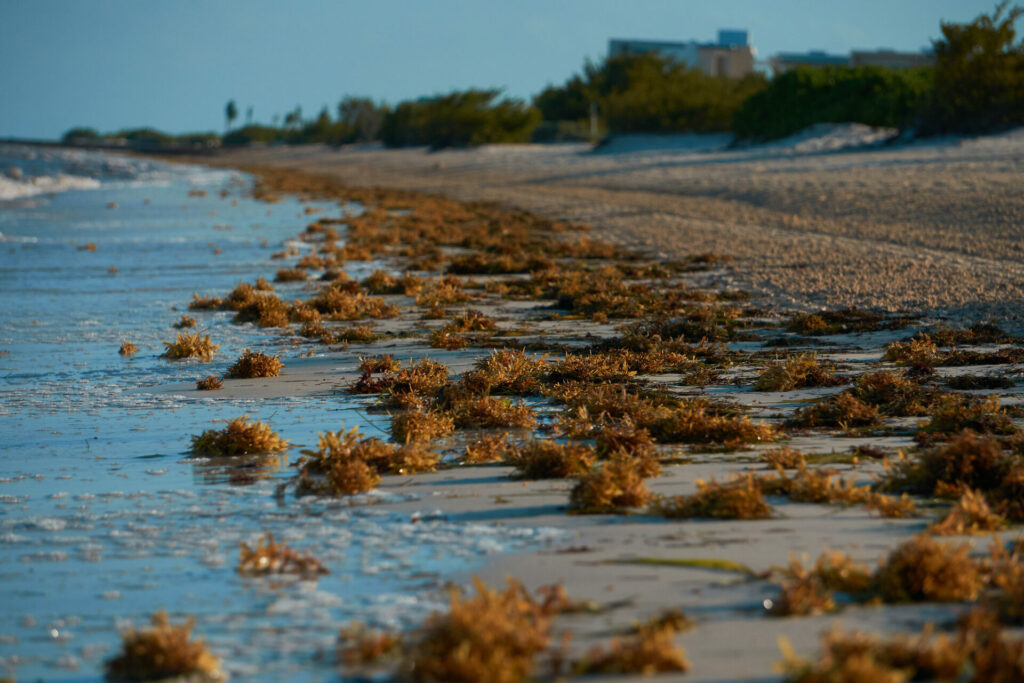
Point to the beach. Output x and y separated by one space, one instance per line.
813 221
732 249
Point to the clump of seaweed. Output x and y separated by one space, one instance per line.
418 425
783 458
209 383
738 498
491 637
291 275
956 413
967 461
162 651
857 657
622 438
843 410
445 290
798 372
359 645
239 437
917 353
894 394
543 459
842 321
376 364
204 303
344 463
506 371
487 448
807 591
979 382
970 515
190 346
922 570
591 368
696 421
185 322
338 304
269 557
266 310
128 349
617 484
426 377
252 364
489 412
651 650
472 321
356 334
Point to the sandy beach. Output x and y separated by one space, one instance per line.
934 226
931 229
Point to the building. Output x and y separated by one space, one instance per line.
732 56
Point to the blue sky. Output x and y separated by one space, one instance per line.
173 65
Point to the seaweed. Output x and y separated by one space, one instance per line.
738 498
922 570
209 383
359 645
190 346
162 651
489 411
550 460
649 651
239 437
798 372
420 426
253 364
612 487
506 371
970 515
487 448
269 557
128 349
491 637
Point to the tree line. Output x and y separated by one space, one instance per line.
976 85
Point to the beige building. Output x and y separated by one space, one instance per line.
732 56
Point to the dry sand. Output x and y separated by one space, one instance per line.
934 226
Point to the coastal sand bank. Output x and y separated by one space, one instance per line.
936 226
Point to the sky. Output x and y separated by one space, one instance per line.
173 65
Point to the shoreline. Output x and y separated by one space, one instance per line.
941 235
636 565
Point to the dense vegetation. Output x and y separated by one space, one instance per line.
873 95
648 93
976 85
459 119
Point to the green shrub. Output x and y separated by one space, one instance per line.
979 74
873 95
459 119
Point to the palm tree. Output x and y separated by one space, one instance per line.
230 113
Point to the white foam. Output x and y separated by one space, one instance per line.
29 187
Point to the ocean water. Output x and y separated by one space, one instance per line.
104 518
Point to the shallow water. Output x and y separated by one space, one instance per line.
103 517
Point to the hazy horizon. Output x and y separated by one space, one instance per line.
173 66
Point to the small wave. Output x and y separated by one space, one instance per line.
17 238
15 189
